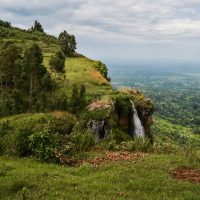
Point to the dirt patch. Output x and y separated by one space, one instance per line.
97 76
110 157
105 158
186 174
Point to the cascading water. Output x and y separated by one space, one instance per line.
138 128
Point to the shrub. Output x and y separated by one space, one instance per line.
22 140
138 144
4 128
62 124
82 141
42 145
38 136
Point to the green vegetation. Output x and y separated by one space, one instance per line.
37 27
50 99
175 93
167 134
147 178
67 43
57 62
5 24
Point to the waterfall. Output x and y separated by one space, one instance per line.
138 128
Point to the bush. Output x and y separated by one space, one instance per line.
138 144
37 136
5 127
42 145
82 141
102 68
22 140
62 124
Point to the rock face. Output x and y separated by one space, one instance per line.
143 105
99 125
146 119
120 110
98 128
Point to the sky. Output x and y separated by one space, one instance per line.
117 31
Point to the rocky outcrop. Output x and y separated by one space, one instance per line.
99 129
122 115
99 105
99 125
144 107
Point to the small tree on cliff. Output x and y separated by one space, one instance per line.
67 43
37 27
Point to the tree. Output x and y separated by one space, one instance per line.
61 102
10 66
5 24
37 27
57 62
75 100
47 83
78 98
67 43
33 72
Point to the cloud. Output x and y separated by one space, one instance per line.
103 22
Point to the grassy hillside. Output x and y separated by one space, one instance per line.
62 137
146 179
79 69
167 133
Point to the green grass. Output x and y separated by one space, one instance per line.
166 132
148 179
79 70
145 179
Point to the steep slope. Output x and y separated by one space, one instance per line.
79 69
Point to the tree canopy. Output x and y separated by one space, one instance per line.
5 24
37 27
67 43
57 62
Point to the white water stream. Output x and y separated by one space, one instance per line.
138 128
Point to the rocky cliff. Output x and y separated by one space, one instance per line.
118 112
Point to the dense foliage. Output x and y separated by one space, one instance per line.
5 24
57 62
24 82
67 43
37 27
26 85
102 68
39 136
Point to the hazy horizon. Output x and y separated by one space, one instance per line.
145 32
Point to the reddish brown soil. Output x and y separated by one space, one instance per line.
186 174
109 157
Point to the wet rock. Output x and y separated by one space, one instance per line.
99 129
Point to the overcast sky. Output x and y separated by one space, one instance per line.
118 31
